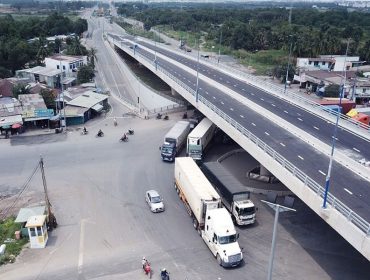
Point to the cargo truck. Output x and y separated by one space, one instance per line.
174 140
203 204
199 138
233 194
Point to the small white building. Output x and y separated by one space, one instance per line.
65 63
37 231
328 63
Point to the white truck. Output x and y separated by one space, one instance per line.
233 194
203 204
199 138
174 140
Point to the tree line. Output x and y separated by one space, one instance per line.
16 49
311 32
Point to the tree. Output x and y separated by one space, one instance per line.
74 47
48 97
20 89
92 57
85 74
332 91
4 73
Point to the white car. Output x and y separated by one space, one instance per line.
154 201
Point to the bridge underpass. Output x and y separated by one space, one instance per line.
276 149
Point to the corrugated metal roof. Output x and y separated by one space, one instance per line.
36 221
88 99
74 111
25 213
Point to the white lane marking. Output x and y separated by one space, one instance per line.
231 109
267 133
282 144
235 85
220 78
286 112
228 82
300 157
348 191
207 92
200 88
262 99
253 124
243 89
336 139
272 104
252 93
242 116
222 103
300 119
81 248
213 97
357 150
298 114
323 173
315 127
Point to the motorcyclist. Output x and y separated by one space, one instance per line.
100 132
115 122
124 137
84 130
164 274
131 131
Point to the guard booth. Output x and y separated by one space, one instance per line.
37 231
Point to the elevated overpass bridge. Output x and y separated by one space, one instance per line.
293 142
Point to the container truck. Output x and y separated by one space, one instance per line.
174 140
234 195
203 204
199 138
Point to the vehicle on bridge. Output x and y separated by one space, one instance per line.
233 194
199 139
174 140
203 204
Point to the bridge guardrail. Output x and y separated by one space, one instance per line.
274 88
353 217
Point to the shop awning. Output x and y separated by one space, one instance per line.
10 120
97 107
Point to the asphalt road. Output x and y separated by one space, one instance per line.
97 187
346 185
348 142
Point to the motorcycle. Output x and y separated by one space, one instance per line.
159 116
148 269
100 134
115 122
131 132
166 117
123 139
165 275
84 132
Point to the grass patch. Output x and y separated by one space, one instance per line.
138 31
13 248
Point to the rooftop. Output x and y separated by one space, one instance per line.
67 58
88 99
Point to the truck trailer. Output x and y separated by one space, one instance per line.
233 194
203 204
174 140
199 138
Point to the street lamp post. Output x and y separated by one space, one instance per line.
287 69
155 51
341 93
197 85
219 46
278 208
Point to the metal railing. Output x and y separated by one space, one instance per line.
275 89
352 217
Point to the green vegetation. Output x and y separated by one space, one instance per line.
261 37
137 31
16 50
85 74
13 247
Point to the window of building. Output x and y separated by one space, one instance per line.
39 233
316 63
323 63
64 68
70 66
310 62
32 232
57 66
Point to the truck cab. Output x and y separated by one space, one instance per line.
168 151
220 236
244 212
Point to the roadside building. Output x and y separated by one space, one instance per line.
34 111
66 63
10 116
6 88
328 63
84 107
40 74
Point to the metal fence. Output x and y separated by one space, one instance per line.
352 217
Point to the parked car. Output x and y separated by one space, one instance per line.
154 201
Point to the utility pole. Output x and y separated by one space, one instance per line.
52 222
